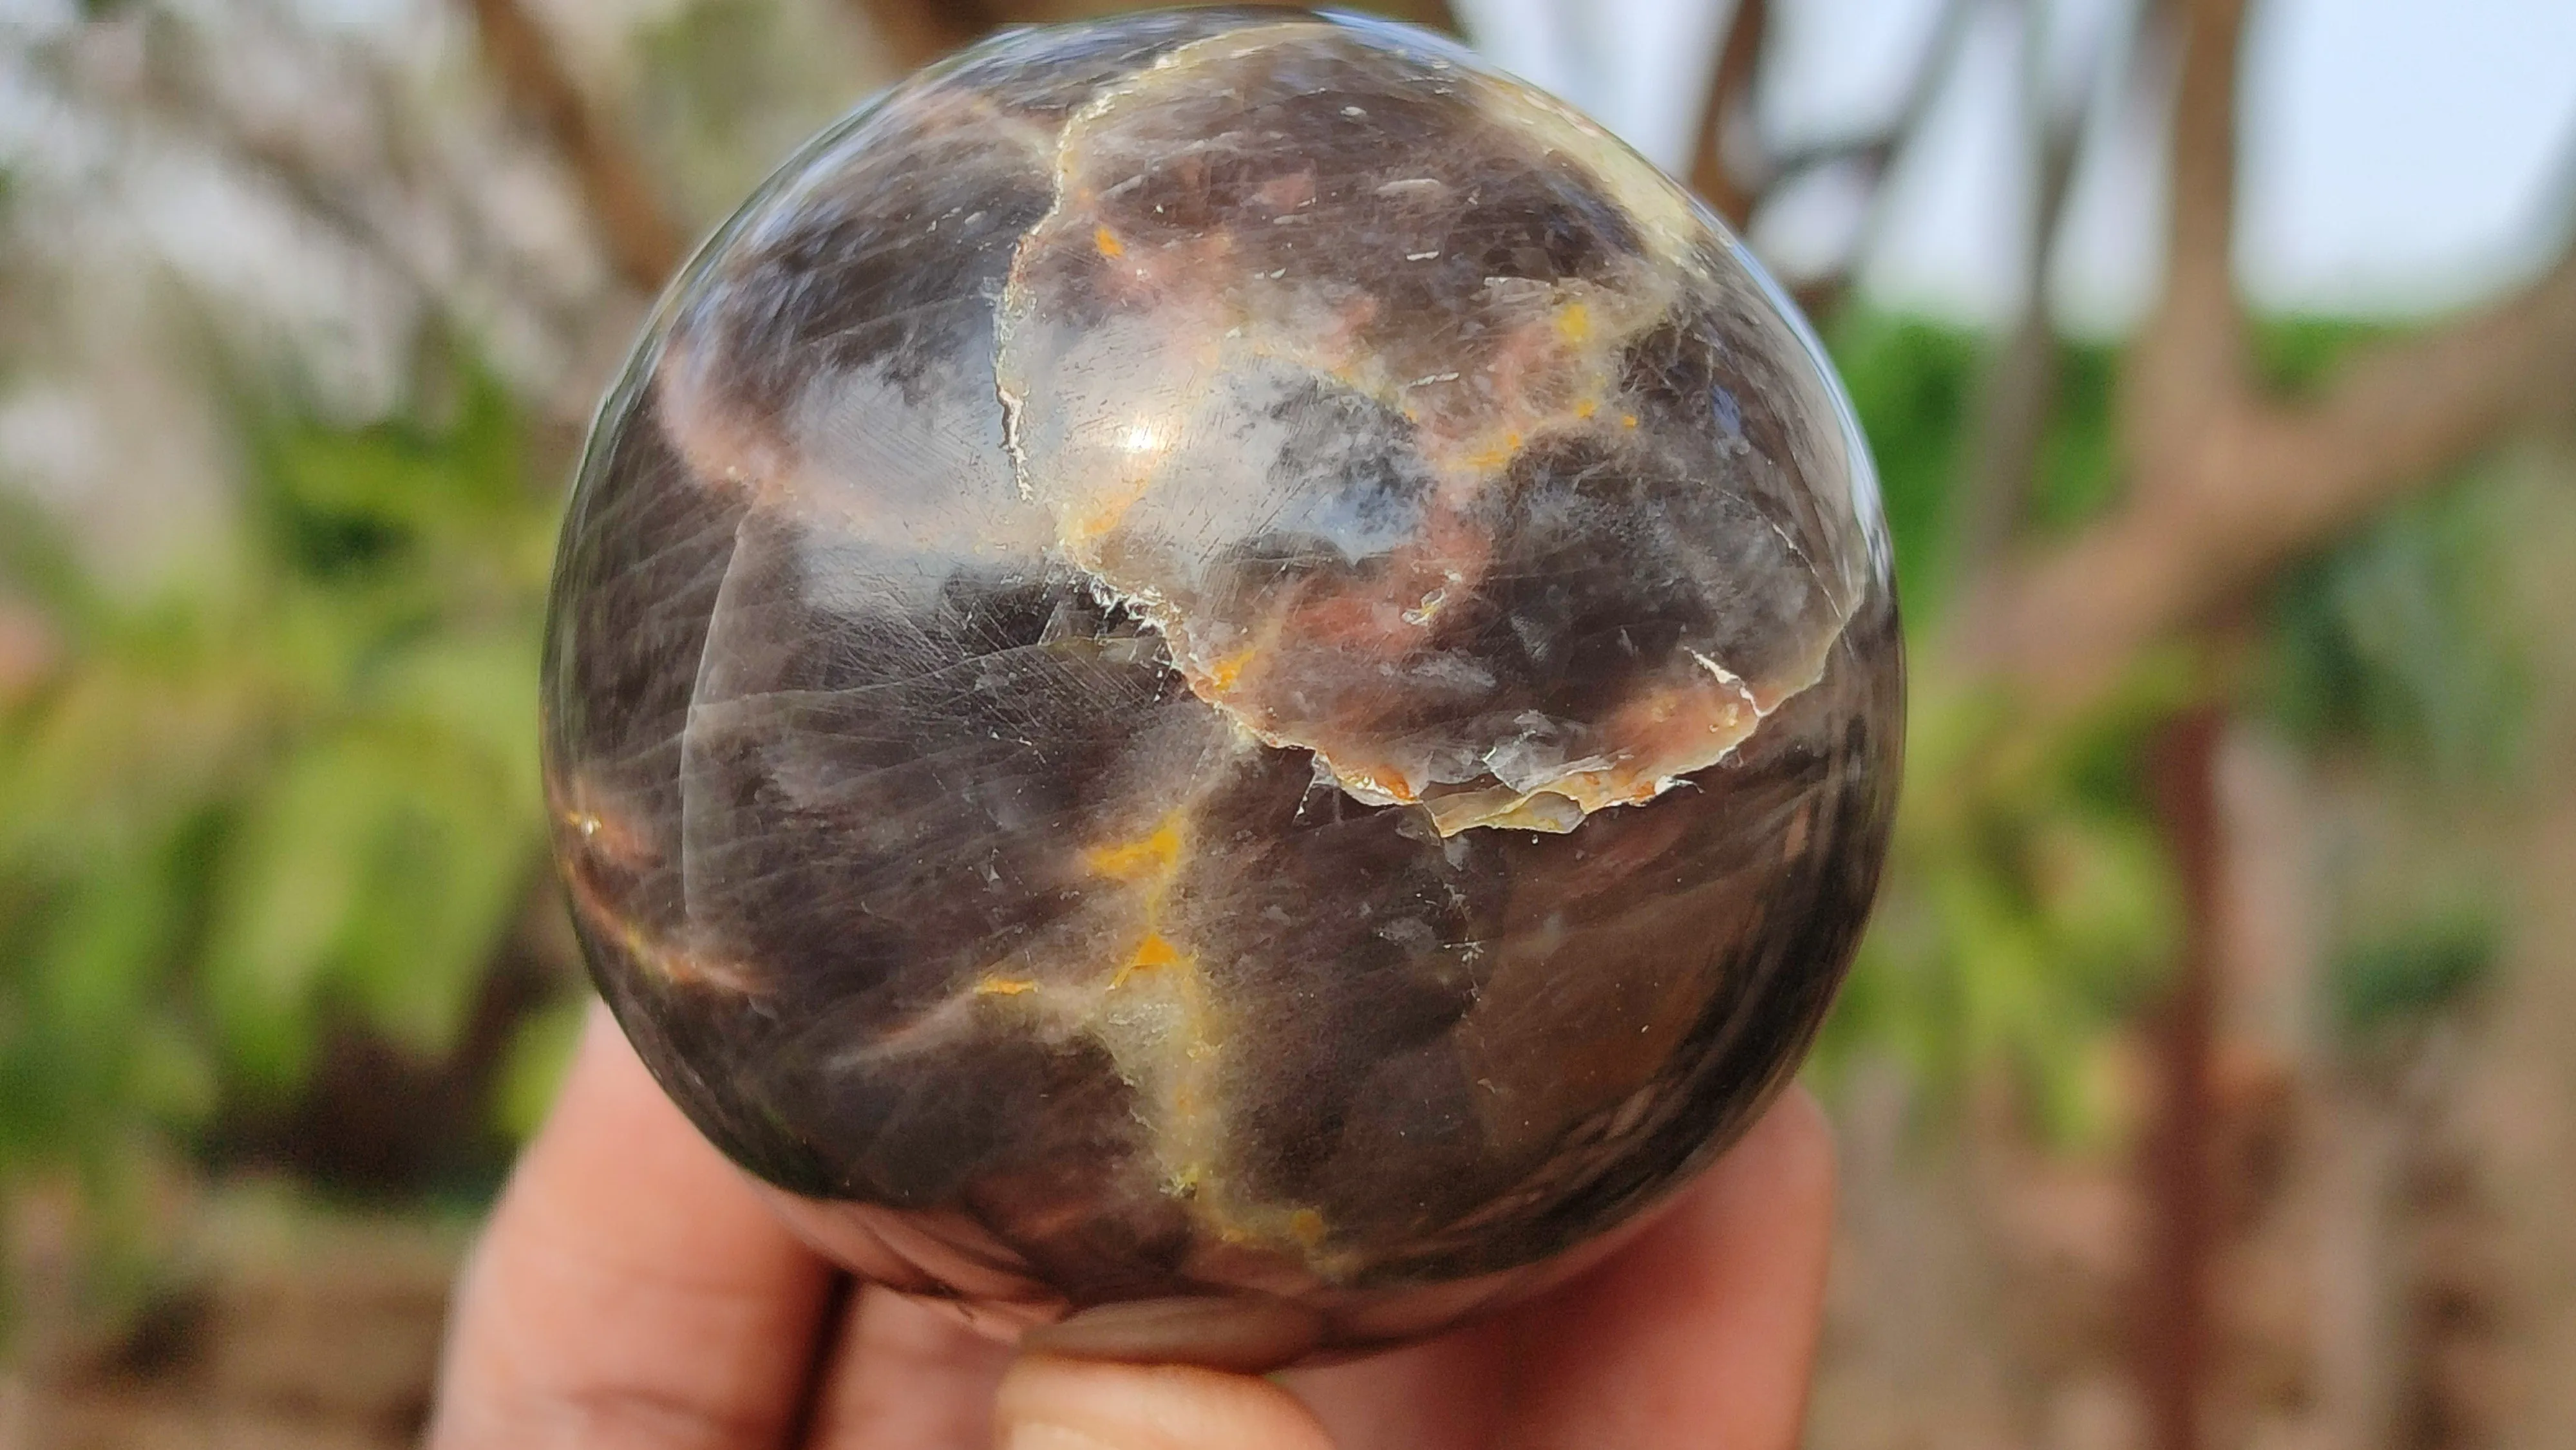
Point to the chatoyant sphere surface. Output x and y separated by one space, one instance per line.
1219 685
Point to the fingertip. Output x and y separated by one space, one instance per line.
1787 1157
1052 1403
1704 1330
630 1286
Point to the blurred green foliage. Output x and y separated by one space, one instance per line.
2028 910
296 791
2392 980
2030 907
2405 642
2295 353
1917 386
1913 383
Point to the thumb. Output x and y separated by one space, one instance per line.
1048 1403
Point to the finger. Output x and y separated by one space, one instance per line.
1069 1404
906 1376
1456 1392
631 1289
1701 1332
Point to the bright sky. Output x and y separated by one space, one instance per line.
2401 155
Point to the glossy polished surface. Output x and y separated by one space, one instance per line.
1220 685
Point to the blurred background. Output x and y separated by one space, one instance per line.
2206 1080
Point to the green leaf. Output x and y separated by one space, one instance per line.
478 690
445 872
284 899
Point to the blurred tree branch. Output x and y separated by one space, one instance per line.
1729 107
1732 172
2021 388
181 96
1874 150
2229 481
641 240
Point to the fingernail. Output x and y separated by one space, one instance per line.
1052 1403
1033 1435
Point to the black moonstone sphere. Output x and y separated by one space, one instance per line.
1221 686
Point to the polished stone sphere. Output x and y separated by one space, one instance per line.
1221 687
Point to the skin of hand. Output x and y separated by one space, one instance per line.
632 1291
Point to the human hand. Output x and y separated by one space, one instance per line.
633 1291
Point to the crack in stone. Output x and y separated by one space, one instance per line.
1644 754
